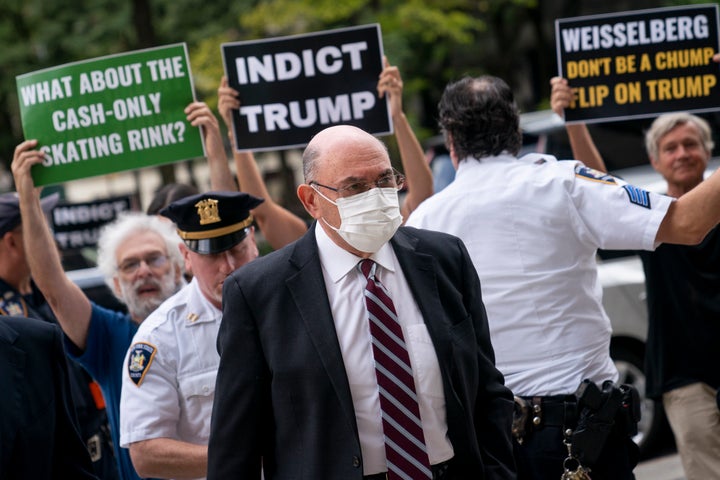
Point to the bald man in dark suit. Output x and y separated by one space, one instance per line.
300 388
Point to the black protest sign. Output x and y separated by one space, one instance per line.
293 87
641 63
77 225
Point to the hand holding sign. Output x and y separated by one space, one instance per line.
390 82
200 115
228 100
561 95
26 155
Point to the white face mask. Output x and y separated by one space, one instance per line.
368 220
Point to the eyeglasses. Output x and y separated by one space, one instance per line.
394 180
153 260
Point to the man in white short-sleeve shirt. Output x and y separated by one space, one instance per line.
170 368
532 227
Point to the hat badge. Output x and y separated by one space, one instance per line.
208 211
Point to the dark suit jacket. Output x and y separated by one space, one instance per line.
39 436
282 393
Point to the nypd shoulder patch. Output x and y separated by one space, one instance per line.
637 196
587 173
139 360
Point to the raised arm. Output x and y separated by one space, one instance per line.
69 303
691 217
279 225
581 142
417 171
221 178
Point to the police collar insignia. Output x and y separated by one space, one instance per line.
587 173
13 304
208 211
139 360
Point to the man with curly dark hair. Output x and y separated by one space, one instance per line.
532 226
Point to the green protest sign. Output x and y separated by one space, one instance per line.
110 114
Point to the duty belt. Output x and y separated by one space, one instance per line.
534 413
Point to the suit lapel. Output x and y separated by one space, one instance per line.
308 291
419 270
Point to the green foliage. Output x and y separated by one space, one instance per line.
286 17
431 41
434 23
206 62
37 34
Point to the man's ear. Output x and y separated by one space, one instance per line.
309 198
451 149
8 239
185 252
251 234
6 242
13 241
178 273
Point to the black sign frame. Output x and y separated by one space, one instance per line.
356 53
626 81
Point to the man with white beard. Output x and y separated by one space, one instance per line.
140 289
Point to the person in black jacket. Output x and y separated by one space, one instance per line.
39 436
20 296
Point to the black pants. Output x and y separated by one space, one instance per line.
541 456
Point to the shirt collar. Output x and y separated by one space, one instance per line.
338 262
198 308
470 163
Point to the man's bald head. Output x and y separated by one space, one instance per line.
333 144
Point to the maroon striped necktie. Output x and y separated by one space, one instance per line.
405 450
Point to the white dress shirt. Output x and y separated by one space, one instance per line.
532 227
345 287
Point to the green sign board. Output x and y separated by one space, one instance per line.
110 114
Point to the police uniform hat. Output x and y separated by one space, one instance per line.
212 222
10 209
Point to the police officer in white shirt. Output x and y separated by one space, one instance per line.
168 389
532 227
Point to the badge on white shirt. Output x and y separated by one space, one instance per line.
139 361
